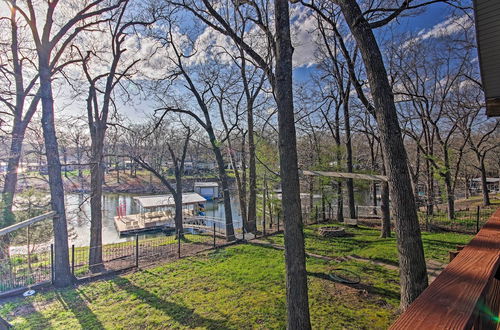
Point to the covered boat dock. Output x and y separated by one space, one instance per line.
157 212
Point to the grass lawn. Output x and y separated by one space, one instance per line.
366 243
238 287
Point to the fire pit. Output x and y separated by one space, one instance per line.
332 231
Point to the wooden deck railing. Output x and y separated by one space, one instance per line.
466 295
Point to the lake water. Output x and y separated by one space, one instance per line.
78 213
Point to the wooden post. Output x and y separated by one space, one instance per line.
137 251
317 217
214 235
477 219
179 243
73 259
52 263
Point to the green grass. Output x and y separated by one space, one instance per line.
365 242
239 287
41 261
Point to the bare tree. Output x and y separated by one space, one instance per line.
202 91
280 78
413 272
337 70
99 103
160 142
482 138
21 101
51 41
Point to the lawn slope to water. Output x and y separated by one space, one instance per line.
238 287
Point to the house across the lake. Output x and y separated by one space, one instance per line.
493 185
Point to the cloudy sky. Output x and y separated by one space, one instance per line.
431 23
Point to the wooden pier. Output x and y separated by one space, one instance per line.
137 223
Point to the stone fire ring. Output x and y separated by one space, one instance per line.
332 231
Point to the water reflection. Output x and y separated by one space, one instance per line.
78 213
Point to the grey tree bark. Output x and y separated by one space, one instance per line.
296 275
413 272
62 273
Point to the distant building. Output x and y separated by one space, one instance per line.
493 185
209 190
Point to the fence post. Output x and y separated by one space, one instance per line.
52 263
73 259
477 219
137 251
179 243
317 215
214 235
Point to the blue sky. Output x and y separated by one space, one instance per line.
433 14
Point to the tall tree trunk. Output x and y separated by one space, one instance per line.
96 179
340 195
252 173
430 188
413 272
484 183
385 208
296 275
10 183
340 202
179 228
374 168
450 198
241 184
62 274
348 144
311 198
225 187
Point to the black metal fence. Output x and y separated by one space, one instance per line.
21 270
24 270
468 220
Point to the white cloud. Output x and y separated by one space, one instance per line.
448 27
303 30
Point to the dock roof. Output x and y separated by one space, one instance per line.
153 201
206 184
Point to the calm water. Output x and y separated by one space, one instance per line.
78 213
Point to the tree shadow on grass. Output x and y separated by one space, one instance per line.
76 301
178 313
360 286
29 312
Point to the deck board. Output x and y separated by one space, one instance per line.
462 292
